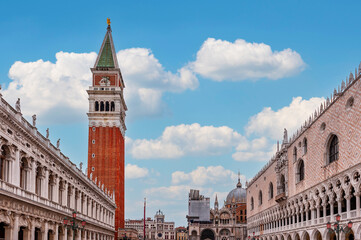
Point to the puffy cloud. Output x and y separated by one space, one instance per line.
202 176
171 192
133 171
146 80
56 92
221 60
258 149
271 123
177 141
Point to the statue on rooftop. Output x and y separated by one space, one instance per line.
58 144
34 120
17 105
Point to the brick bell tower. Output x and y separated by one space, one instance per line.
107 125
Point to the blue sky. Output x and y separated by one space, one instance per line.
240 85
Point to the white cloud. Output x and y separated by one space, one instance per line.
177 141
221 60
205 175
171 192
146 80
53 91
133 171
271 123
56 92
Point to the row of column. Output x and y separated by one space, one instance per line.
315 213
51 190
44 233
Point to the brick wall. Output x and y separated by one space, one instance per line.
107 164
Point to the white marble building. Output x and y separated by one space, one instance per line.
39 187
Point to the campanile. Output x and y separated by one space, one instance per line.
107 125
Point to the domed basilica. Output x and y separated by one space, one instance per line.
226 223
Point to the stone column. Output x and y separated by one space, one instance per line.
358 204
16 169
32 176
324 204
15 228
56 234
339 206
65 194
44 232
56 189
348 205
332 208
32 231
45 182
313 211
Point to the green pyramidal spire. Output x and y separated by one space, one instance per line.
106 56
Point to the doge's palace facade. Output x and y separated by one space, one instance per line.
314 175
39 186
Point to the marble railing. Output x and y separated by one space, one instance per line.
317 223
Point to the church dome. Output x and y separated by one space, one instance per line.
237 195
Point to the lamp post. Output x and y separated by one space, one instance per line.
337 228
72 224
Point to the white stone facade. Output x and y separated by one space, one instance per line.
39 187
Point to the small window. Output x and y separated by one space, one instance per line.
93 155
295 154
93 141
93 169
304 145
323 126
252 204
93 129
333 149
350 103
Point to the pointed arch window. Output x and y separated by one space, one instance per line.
107 106
112 107
333 149
252 203
300 174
